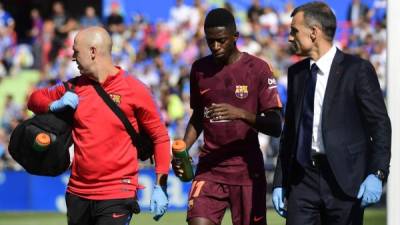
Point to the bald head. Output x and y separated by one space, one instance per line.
96 37
92 53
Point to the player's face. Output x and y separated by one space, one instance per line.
81 56
221 41
300 39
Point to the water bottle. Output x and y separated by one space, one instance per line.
182 158
41 142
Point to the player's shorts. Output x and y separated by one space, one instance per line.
210 200
81 211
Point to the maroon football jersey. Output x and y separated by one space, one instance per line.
231 152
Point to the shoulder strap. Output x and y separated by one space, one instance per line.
67 88
120 114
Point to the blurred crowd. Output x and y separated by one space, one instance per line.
160 52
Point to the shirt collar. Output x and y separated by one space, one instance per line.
112 77
324 63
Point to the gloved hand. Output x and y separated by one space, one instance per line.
159 201
278 196
68 99
370 190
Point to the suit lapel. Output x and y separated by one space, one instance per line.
334 76
301 79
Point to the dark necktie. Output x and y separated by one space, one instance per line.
303 154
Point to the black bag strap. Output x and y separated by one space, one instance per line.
121 115
67 88
68 114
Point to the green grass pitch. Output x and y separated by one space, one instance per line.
372 217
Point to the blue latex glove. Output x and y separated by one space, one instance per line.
68 99
278 196
370 190
159 201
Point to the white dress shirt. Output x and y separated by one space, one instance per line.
324 66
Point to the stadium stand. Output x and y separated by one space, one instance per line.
160 52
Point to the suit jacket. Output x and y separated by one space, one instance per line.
356 129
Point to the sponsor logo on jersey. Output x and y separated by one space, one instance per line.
272 83
241 91
116 98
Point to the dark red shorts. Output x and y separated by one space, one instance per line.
246 202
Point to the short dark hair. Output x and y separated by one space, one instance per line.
220 17
320 13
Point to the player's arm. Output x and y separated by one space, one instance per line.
161 179
148 116
194 128
51 99
195 125
269 122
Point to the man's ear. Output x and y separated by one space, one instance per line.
236 35
93 51
314 32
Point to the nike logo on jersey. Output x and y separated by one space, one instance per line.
258 218
202 92
116 215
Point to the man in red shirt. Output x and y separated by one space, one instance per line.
233 96
104 177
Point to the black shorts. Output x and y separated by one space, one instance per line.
81 211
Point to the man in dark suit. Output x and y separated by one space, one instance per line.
335 148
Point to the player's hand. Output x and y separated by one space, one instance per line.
159 201
68 99
176 167
370 190
223 111
278 196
